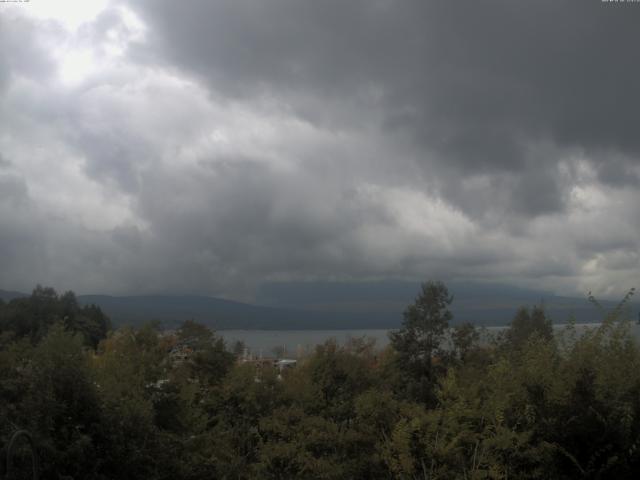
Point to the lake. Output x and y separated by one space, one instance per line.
297 343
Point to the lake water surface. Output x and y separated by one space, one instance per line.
297 343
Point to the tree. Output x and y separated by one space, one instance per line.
210 361
62 405
464 337
419 339
195 334
32 317
527 323
239 348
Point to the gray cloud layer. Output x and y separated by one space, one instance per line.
219 145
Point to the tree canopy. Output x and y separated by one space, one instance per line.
436 403
32 317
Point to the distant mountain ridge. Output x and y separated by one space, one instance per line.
222 314
7 295
478 303
322 306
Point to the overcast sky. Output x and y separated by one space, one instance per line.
213 146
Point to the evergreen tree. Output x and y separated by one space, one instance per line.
420 338
527 323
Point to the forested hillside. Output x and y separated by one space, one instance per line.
140 403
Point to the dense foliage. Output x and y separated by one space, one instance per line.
142 403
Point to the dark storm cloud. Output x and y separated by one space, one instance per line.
251 216
463 75
472 84
236 142
21 249
617 171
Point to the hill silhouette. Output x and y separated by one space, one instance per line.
320 306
